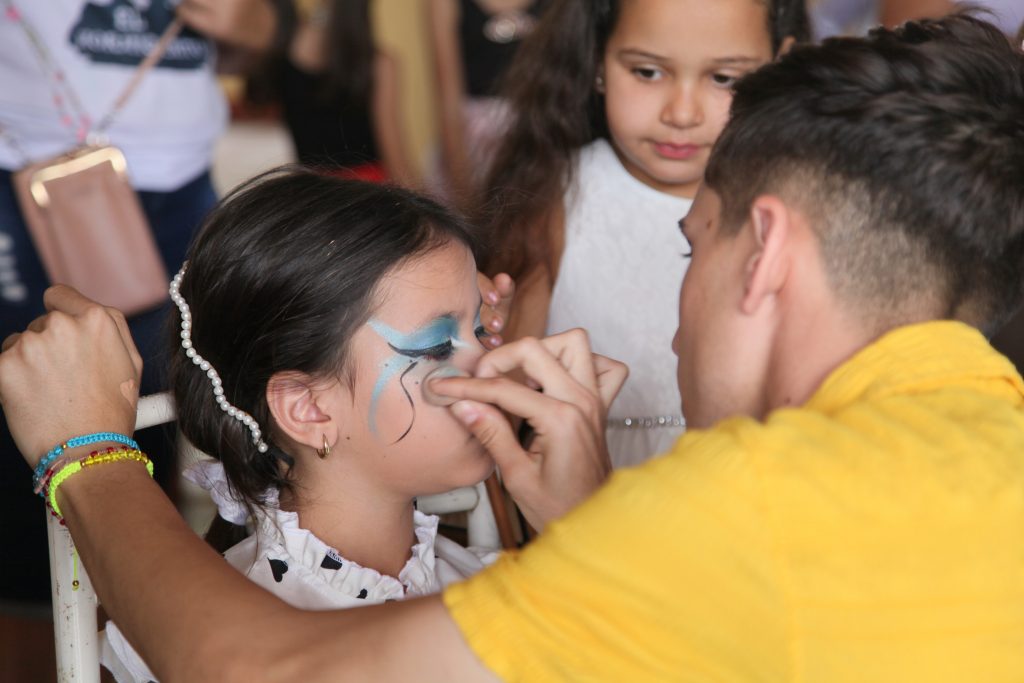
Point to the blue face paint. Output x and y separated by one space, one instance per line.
435 341
389 369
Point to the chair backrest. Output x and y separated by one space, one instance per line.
75 602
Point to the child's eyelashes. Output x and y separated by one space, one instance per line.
687 254
481 332
442 351
647 73
726 81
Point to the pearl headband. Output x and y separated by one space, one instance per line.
204 365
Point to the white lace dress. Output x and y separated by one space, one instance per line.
619 279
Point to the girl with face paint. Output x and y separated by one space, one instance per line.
309 314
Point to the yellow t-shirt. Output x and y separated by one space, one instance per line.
874 534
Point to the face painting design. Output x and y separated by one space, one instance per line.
435 342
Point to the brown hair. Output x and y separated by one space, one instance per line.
556 111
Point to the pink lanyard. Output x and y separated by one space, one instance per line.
70 111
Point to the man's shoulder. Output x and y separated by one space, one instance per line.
913 450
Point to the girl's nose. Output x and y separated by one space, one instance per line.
683 108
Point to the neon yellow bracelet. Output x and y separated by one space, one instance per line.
99 458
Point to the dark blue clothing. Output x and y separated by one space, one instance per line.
174 217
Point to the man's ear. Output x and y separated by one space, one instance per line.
769 223
787 44
296 402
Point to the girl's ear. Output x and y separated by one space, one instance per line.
787 44
301 409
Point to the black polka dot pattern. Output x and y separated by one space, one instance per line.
278 568
330 563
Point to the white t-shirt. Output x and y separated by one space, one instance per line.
305 572
167 129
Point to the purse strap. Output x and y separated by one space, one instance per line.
156 53
69 97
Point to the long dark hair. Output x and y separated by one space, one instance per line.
280 277
347 77
556 111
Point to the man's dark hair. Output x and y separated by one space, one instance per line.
905 149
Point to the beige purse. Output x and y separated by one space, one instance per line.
89 228
86 220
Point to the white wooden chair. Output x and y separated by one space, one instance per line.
74 600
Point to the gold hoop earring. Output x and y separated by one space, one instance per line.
325 451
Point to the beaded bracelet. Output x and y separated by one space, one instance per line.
96 458
77 441
64 459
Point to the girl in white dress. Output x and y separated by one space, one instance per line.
309 311
616 104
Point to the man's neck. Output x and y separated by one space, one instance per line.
814 341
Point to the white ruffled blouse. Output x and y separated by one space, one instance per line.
305 572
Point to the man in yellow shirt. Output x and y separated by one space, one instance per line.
847 505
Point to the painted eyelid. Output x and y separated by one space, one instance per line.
441 351
442 331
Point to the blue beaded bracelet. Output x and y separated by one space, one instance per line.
55 452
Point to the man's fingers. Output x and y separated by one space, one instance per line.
611 375
39 324
561 364
507 394
573 351
67 300
126 339
493 430
11 340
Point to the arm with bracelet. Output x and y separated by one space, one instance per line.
171 593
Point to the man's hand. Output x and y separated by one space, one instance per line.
497 295
74 371
567 459
247 24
